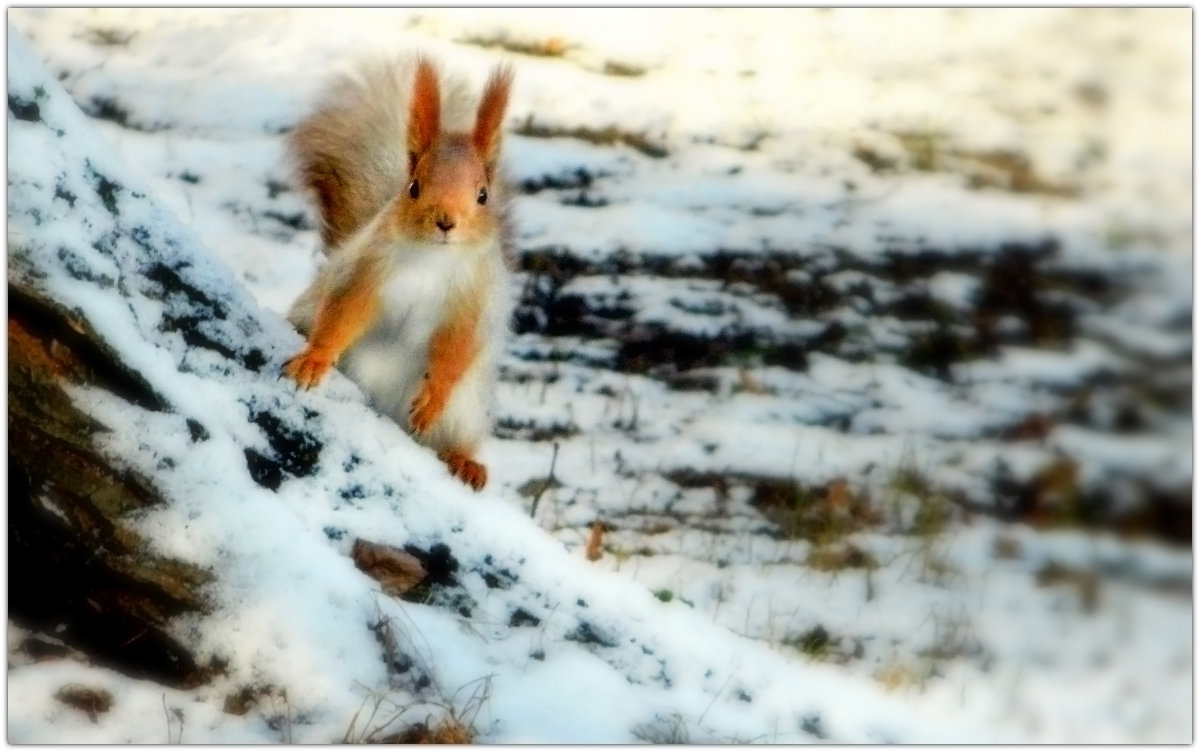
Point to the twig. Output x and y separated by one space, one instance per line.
717 695
167 713
549 480
178 716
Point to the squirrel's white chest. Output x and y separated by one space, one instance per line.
391 358
414 297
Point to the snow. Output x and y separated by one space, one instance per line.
760 111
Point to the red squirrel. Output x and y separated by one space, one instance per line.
413 302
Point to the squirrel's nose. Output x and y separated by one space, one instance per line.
445 224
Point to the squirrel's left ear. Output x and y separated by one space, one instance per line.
489 118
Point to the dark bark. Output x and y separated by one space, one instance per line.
77 569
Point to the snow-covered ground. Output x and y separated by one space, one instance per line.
863 333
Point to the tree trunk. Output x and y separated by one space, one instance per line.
76 568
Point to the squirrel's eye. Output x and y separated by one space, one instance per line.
482 196
414 189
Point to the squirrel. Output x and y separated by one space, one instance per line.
412 303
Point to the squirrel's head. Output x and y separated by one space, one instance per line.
451 176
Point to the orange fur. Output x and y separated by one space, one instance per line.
451 352
360 162
424 115
327 148
465 469
344 315
490 116
443 202
337 211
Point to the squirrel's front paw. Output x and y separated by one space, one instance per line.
307 369
426 408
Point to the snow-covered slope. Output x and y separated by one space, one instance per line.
549 633
798 290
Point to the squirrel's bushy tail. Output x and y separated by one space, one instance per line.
351 152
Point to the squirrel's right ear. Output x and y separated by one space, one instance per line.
489 118
424 112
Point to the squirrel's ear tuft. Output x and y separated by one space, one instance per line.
424 112
489 118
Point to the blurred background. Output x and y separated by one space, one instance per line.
864 332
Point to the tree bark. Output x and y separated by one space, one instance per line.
76 568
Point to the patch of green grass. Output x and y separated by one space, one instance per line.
814 643
818 644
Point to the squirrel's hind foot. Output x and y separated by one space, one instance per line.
465 469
